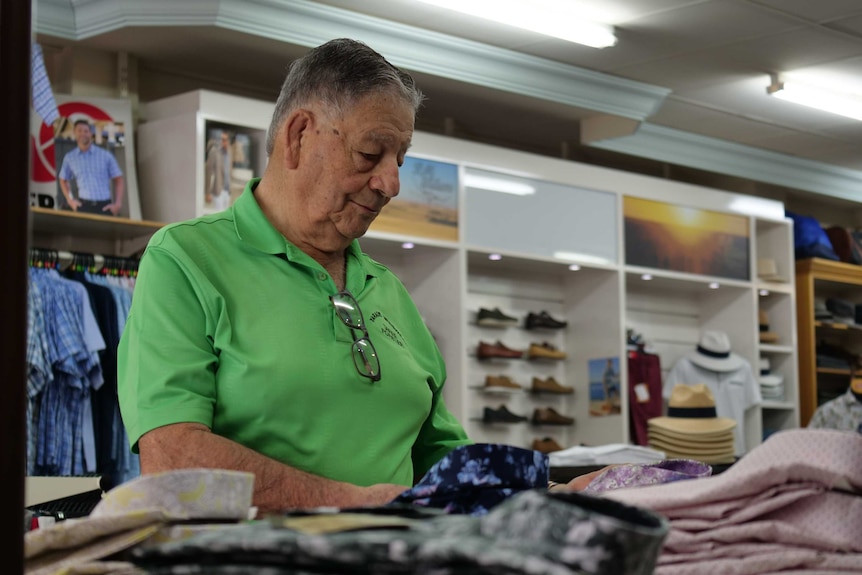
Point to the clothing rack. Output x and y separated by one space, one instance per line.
79 261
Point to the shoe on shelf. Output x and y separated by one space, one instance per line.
500 382
550 385
501 415
543 320
545 350
549 416
546 445
494 318
497 349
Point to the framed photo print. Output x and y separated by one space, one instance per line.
232 156
86 160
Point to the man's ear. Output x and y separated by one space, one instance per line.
295 128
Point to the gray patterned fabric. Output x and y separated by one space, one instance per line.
534 532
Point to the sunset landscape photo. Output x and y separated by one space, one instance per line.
682 239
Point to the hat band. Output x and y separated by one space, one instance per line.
764 327
715 354
702 412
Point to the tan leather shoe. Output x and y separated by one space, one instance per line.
546 445
549 416
500 381
550 385
545 350
488 350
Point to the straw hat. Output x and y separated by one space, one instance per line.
691 412
713 353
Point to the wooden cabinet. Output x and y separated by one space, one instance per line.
822 278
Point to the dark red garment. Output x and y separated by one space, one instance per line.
645 400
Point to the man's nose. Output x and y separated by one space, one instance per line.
385 179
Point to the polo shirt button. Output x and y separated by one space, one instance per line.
321 276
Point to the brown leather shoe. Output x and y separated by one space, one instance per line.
549 416
546 445
488 350
501 382
550 385
545 350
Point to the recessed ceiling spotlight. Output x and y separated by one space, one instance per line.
764 292
714 285
495 257
574 267
408 245
646 277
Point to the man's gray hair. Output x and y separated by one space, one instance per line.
339 73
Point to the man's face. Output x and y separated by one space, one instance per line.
83 135
349 168
225 141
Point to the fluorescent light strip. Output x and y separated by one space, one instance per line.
498 185
843 104
558 19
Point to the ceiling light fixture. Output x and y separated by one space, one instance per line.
556 18
847 104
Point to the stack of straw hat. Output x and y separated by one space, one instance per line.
691 429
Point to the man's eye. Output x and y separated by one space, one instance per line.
370 157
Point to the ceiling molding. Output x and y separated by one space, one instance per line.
308 24
304 23
714 155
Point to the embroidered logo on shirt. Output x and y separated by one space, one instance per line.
388 329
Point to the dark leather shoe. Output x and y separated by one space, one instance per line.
501 415
488 350
494 318
550 385
548 416
546 445
543 320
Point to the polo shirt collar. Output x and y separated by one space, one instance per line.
254 229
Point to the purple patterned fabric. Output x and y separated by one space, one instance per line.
638 475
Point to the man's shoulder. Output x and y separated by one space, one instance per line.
195 231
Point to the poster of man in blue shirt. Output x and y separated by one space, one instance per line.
90 176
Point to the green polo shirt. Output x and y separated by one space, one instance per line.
231 326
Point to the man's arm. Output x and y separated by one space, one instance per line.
276 486
119 191
72 202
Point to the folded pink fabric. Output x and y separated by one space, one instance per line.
792 503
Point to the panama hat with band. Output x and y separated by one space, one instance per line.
713 353
691 411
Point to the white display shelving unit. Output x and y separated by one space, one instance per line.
575 217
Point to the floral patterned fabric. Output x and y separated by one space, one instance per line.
472 479
638 475
533 531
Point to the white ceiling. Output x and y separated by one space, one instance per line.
704 64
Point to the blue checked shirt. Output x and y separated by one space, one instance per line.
92 171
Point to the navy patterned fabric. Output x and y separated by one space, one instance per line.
532 532
472 479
